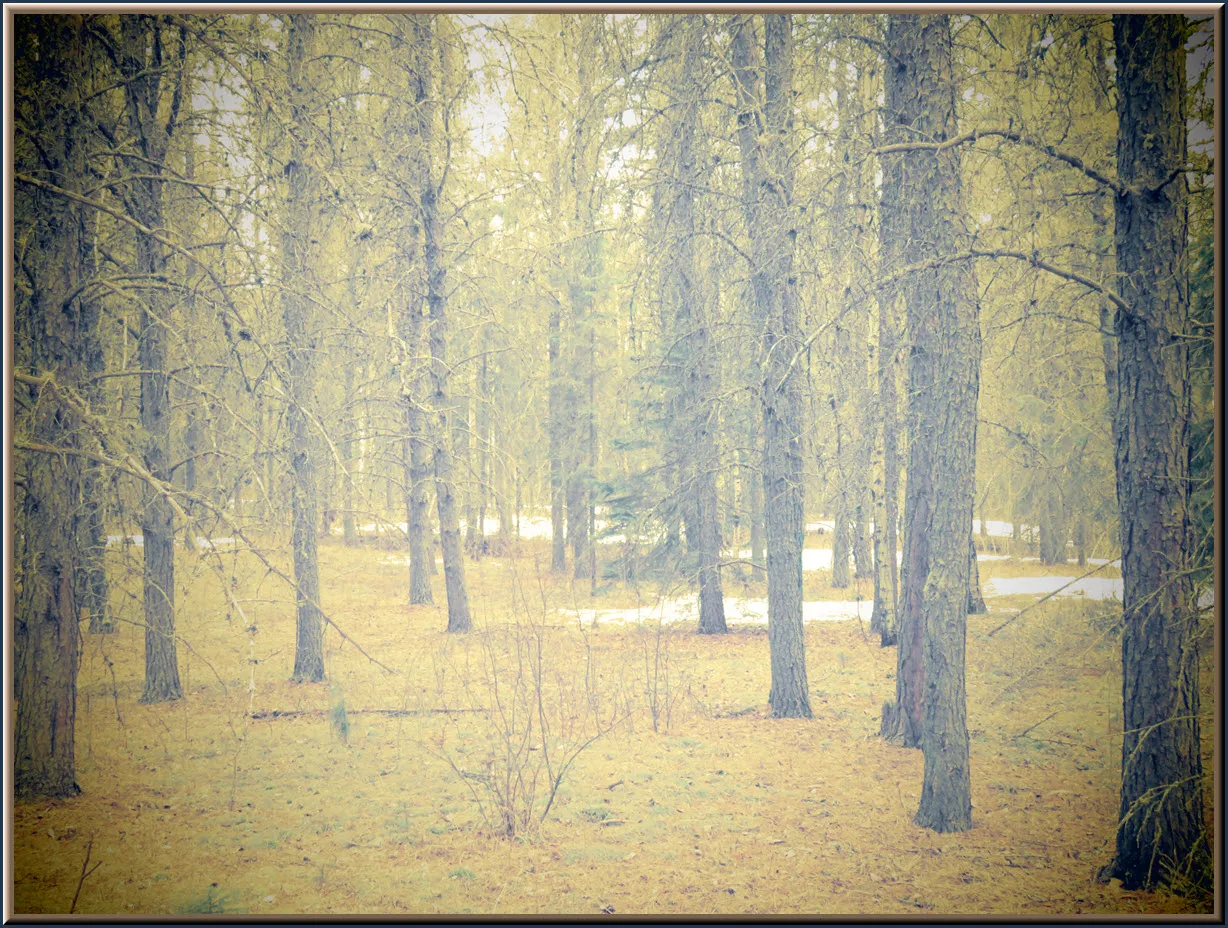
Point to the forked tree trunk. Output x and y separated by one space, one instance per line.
1162 831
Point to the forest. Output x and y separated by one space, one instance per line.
612 463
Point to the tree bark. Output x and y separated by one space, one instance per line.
1163 827
459 619
771 223
946 340
689 365
141 66
50 337
976 602
297 263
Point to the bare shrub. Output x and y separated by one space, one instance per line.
519 715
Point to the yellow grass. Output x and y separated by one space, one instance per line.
196 807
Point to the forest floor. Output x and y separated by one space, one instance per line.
380 793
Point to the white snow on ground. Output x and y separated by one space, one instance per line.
1092 561
821 558
1090 587
737 612
999 529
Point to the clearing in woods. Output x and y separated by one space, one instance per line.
254 795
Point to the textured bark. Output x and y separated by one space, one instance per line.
903 192
95 596
946 341
297 263
1163 823
410 329
976 602
689 365
459 619
141 66
50 338
771 223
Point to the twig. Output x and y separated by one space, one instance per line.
1037 725
1018 614
84 874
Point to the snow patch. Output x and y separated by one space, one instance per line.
1089 587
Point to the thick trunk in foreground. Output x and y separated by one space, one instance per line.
771 222
46 537
297 310
950 338
1162 829
45 622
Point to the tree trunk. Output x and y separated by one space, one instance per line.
946 338
45 622
771 223
57 338
1163 826
349 533
141 70
298 259
885 618
481 418
558 437
754 477
976 601
96 595
688 365
459 619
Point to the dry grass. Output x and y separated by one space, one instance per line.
195 807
